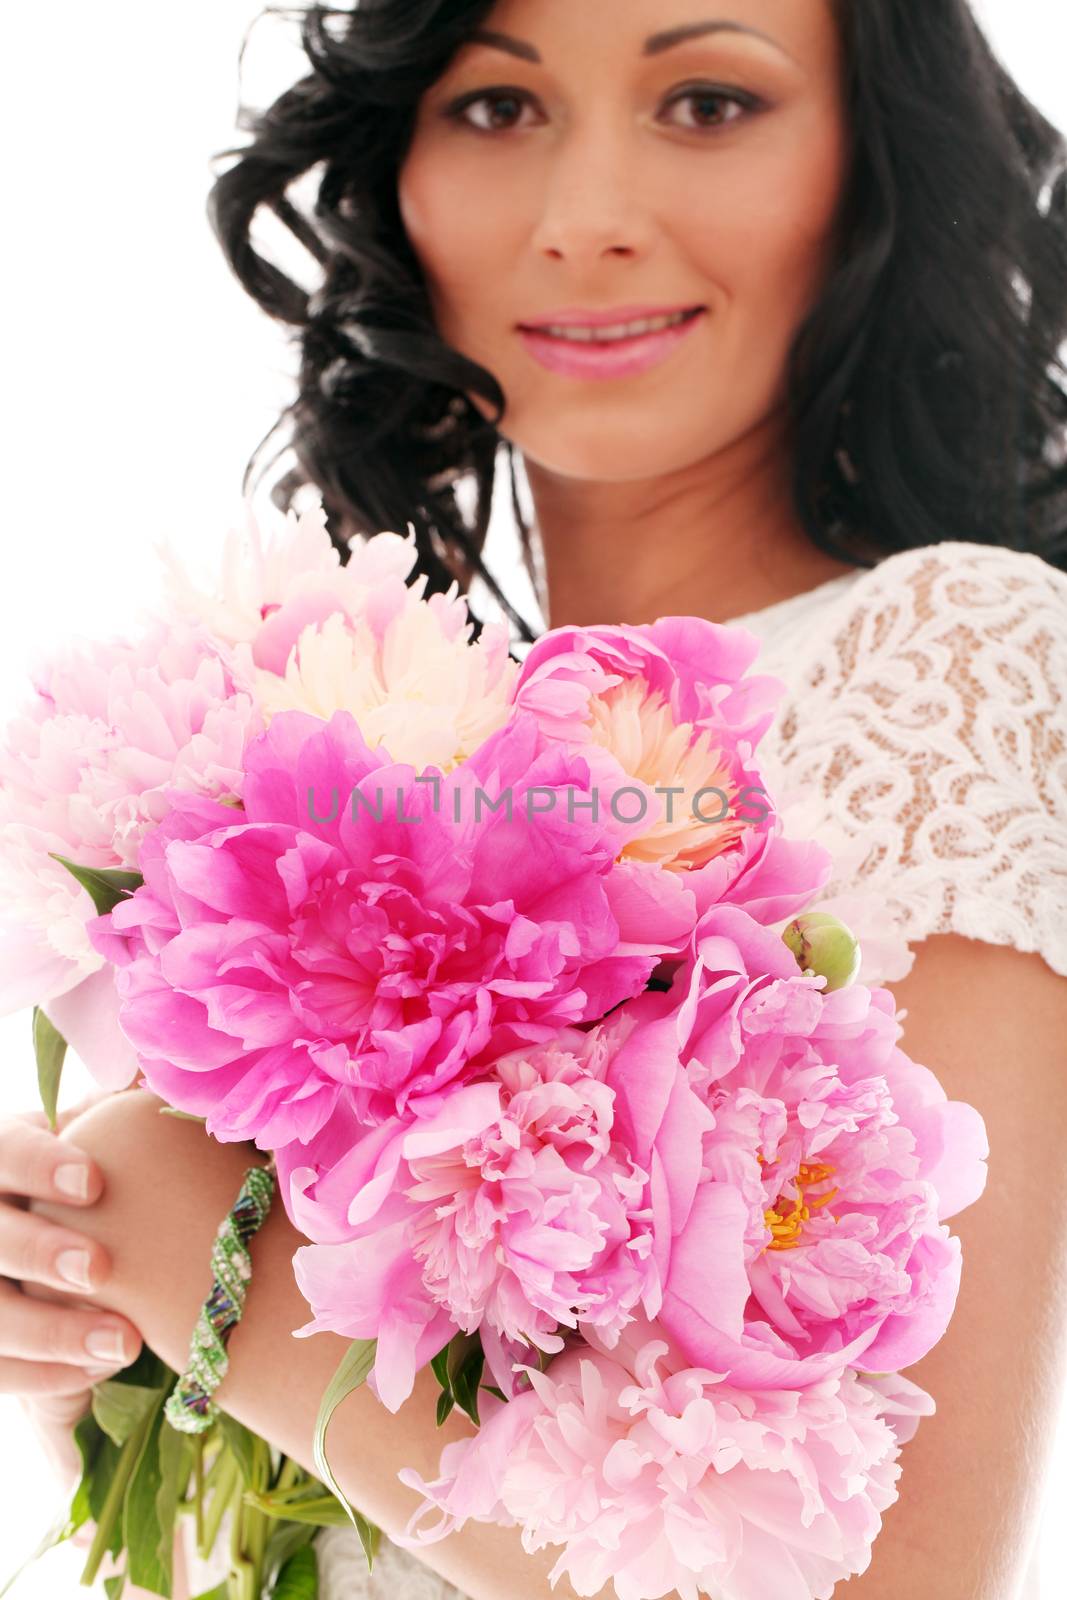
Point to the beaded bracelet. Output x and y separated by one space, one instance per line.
189 1407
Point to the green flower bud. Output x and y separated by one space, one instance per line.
824 947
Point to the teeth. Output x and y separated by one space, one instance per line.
619 330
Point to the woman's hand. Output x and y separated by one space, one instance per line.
46 1359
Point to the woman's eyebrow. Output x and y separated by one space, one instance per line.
654 45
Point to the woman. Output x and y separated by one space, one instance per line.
851 443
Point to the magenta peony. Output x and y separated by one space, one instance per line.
661 1479
360 930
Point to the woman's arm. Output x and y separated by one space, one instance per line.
167 1188
989 1021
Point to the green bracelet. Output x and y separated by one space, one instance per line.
189 1407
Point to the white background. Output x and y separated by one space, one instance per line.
139 377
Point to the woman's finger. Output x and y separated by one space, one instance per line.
39 1331
53 1419
51 1381
35 1250
35 1163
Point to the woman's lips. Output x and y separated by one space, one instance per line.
618 359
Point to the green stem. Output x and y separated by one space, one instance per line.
186 1475
256 1522
215 1468
229 1473
248 1535
112 1506
199 1440
290 1474
242 1570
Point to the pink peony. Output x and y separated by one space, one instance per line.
661 1479
361 931
815 1235
512 1198
85 771
668 706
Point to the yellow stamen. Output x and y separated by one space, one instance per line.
787 1216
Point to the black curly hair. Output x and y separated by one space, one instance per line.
927 387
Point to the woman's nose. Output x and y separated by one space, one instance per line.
591 201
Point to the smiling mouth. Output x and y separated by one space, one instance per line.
618 333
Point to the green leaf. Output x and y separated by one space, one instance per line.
286 1538
149 1371
89 1440
278 1498
175 1459
105 1468
459 1348
149 1548
494 1390
121 1408
113 1587
445 1403
49 1047
319 1511
187 1116
465 1380
112 1470
439 1363
241 1444
353 1369
221 1591
106 885
299 1578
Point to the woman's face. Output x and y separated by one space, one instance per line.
619 169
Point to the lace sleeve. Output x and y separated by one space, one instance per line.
928 726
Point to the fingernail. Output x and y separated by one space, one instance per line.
72 1179
105 1344
74 1266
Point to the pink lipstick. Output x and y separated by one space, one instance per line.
603 358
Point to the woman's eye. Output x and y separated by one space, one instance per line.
512 100
741 102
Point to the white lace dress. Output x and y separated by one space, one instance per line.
923 740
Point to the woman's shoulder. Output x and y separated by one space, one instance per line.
925 724
985 621
958 578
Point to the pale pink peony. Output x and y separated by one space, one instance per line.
313 635
519 1208
814 1236
85 771
323 943
661 1479
671 705
268 587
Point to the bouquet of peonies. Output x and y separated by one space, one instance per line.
575 1093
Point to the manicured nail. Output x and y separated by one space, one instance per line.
105 1344
72 1179
74 1266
